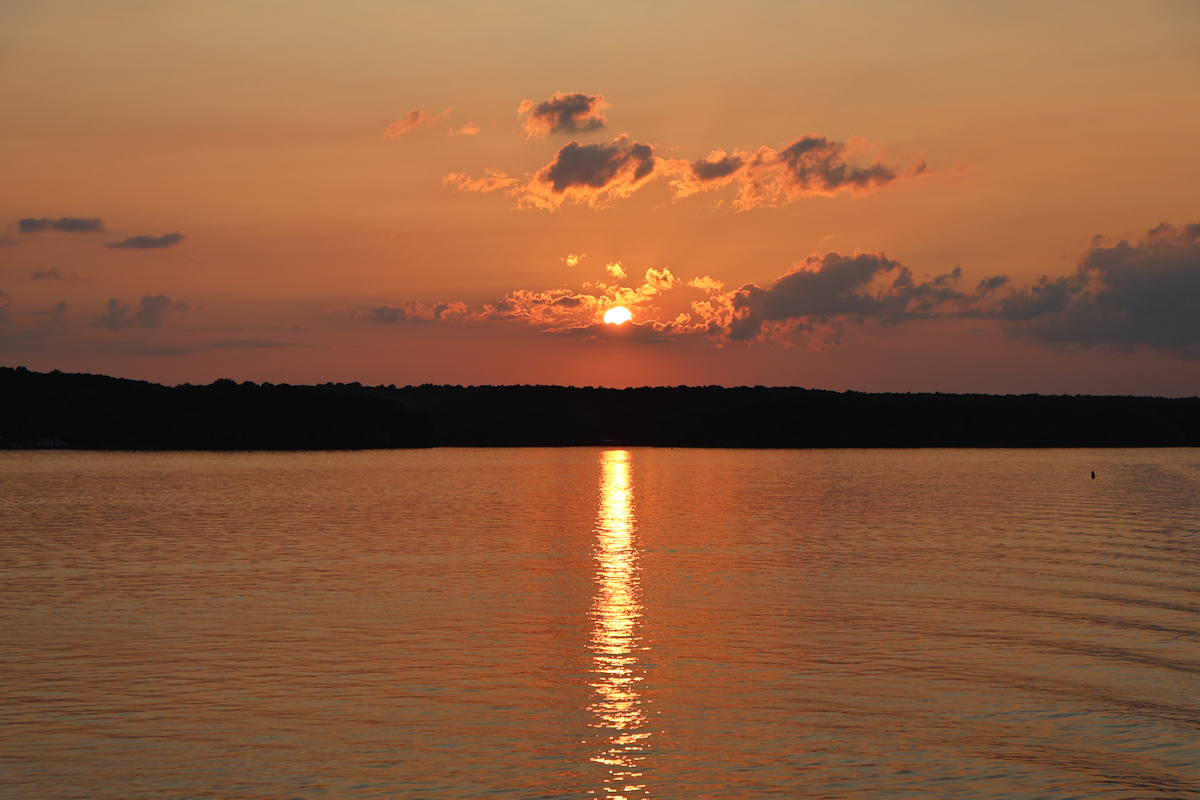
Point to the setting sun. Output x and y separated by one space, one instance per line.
617 315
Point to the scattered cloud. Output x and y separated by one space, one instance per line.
62 225
824 294
58 313
573 260
148 242
418 312
149 314
470 129
417 118
616 270
1122 296
811 166
8 241
591 173
52 274
564 113
492 181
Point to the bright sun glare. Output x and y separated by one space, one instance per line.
617 315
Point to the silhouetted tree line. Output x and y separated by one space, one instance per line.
94 411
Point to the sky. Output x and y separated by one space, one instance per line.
874 196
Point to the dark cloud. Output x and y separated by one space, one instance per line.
149 314
418 312
62 224
58 313
1123 296
814 164
712 169
8 241
52 274
591 173
563 113
823 294
148 242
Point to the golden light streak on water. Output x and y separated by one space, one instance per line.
618 706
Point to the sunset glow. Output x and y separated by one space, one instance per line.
616 316
404 193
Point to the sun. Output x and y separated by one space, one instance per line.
617 315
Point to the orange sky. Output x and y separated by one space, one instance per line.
856 195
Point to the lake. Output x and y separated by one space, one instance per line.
582 622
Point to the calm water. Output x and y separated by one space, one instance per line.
591 623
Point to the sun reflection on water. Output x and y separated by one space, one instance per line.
617 704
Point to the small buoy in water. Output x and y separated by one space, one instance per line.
1093 474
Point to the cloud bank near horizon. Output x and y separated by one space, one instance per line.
1122 296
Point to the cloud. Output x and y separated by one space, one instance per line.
58 313
1122 296
824 294
5 302
564 113
8 241
573 259
148 242
470 129
491 182
150 313
591 173
52 274
712 172
417 118
418 312
616 270
810 166
62 224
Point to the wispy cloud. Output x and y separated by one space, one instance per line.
148 242
470 129
417 118
52 274
565 113
62 224
492 181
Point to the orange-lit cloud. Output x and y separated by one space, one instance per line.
470 129
414 119
572 260
591 173
595 174
492 181
565 113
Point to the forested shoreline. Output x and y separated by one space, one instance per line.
65 410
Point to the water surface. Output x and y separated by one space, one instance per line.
608 623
